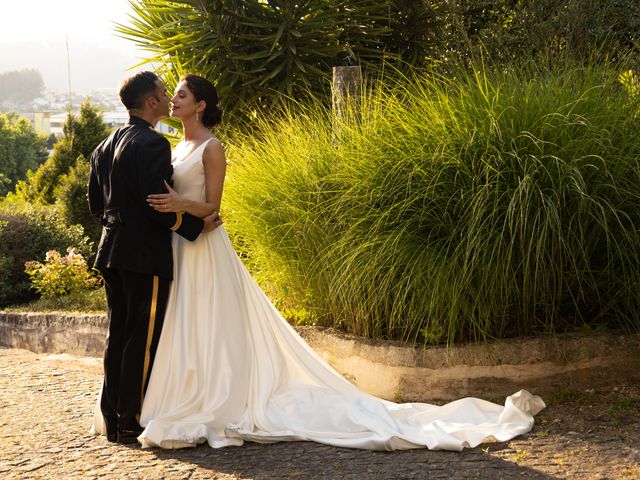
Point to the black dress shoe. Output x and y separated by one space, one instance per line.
112 436
128 436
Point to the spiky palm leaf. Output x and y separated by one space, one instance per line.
257 50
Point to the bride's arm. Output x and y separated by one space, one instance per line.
215 166
215 169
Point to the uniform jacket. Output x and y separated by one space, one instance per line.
127 166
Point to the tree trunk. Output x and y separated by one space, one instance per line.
346 88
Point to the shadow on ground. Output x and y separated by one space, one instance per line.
305 460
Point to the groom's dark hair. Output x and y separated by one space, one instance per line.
134 90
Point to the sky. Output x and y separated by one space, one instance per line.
34 33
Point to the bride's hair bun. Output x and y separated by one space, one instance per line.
203 89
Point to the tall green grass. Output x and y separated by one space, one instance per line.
482 205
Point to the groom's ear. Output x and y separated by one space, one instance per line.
151 101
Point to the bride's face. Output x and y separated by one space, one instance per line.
183 103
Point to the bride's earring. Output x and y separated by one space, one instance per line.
197 116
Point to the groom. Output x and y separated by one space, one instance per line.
134 254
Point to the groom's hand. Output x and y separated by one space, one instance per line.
211 222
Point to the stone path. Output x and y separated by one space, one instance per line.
46 404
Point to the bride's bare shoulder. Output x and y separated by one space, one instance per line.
213 152
213 142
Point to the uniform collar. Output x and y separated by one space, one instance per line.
135 120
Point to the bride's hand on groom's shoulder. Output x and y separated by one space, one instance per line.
166 202
211 222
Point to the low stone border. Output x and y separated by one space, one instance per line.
73 333
394 370
494 369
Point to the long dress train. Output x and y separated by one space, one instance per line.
229 368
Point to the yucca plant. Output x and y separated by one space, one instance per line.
492 204
256 50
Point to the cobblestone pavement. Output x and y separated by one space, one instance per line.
46 404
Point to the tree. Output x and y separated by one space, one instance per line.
21 150
71 197
81 135
51 141
256 51
21 85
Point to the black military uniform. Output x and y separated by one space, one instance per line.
136 261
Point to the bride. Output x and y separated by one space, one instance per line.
229 368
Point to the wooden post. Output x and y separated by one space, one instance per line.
346 88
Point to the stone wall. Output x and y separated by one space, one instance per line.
76 334
394 370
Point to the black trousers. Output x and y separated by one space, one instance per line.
136 304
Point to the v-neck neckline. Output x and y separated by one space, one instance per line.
185 157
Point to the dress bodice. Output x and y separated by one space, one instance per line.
188 172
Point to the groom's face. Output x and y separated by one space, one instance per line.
162 104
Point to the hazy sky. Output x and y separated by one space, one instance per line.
33 34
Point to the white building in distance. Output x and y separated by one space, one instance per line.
49 122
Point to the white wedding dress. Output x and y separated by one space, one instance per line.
229 368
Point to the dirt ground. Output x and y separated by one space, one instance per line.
46 404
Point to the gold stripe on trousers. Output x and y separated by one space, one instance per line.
147 350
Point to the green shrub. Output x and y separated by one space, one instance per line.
27 233
60 275
508 31
493 204
71 198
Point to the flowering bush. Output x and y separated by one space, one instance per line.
61 275
28 232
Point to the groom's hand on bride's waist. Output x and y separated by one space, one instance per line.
211 222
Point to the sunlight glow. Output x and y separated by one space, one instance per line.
34 34
44 20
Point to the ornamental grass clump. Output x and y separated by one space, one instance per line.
494 204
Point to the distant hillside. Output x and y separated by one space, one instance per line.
21 85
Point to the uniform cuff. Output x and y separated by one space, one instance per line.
176 226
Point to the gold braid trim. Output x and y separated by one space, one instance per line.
176 226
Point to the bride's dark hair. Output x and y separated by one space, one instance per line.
203 89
